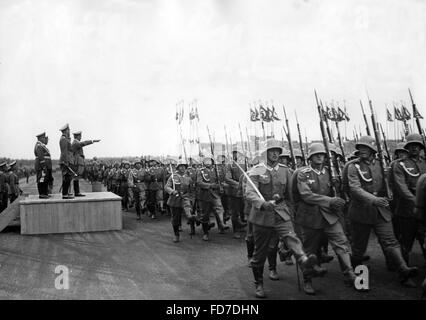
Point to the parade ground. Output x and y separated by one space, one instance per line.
142 262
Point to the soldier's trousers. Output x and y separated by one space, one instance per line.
124 194
273 251
235 207
407 231
215 206
361 234
43 188
139 198
334 234
263 236
66 181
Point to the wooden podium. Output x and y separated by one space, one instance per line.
97 211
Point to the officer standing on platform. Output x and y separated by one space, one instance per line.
269 193
369 209
318 214
43 166
66 160
78 155
406 173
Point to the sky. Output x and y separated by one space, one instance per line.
115 69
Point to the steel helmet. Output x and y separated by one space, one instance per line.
368 142
414 138
316 148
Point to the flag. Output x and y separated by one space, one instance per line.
405 113
196 113
274 115
192 114
416 113
397 114
253 115
344 115
389 115
263 114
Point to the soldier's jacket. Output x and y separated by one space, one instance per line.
345 177
183 184
270 182
365 182
42 155
116 178
78 154
232 178
123 175
222 169
207 184
13 181
157 177
4 186
420 209
137 179
66 151
405 174
313 188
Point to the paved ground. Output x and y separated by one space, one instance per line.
142 262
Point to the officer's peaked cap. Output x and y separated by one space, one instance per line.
65 127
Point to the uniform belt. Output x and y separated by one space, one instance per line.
46 157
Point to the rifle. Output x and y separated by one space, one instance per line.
248 144
331 167
214 161
183 146
367 127
385 143
226 141
242 145
419 126
339 138
287 133
300 141
380 151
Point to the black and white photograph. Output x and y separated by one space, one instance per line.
214 155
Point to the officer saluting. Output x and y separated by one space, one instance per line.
43 166
78 155
65 161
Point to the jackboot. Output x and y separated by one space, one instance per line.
236 229
206 231
192 228
272 262
250 250
307 287
258 282
307 263
348 271
404 271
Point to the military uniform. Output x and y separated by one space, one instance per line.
4 187
406 173
123 175
318 212
137 182
155 189
13 181
43 167
179 187
233 175
66 160
273 184
366 212
209 195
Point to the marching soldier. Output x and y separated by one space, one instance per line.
155 188
369 209
180 187
43 166
318 214
13 181
269 192
406 173
4 188
235 200
299 158
209 196
124 186
136 181
78 154
285 158
66 160
420 211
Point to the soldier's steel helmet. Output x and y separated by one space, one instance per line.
400 147
297 153
181 163
414 138
285 153
368 142
316 148
274 144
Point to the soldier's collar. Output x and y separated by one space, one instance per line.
318 172
272 168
